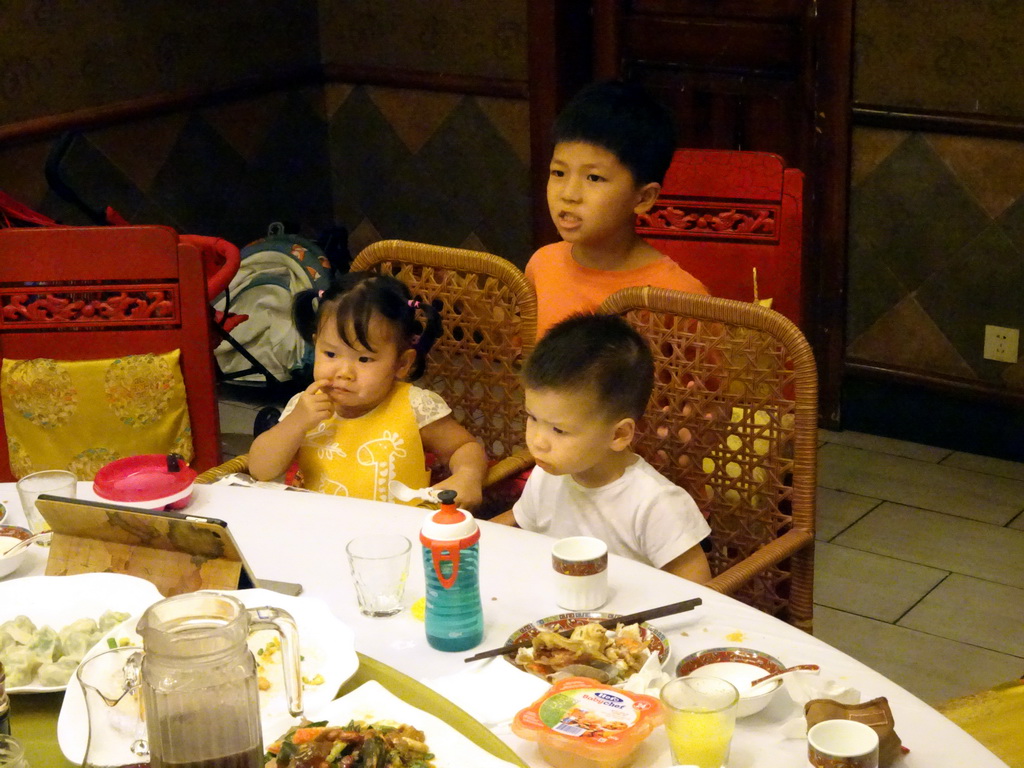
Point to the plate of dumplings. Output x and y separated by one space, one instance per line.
48 623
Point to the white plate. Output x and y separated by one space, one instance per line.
325 643
371 702
59 600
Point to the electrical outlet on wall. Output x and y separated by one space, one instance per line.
1001 343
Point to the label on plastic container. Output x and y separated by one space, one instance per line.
597 714
588 718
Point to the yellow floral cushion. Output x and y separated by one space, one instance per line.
82 414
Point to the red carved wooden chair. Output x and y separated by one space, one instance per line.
99 293
723 213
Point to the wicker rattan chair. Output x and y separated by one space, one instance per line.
490 319
733 420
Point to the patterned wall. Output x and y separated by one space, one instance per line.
433 167
936 251
937 221
436 167
419 165
943 55
60 56
226 171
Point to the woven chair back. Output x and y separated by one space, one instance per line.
489 313
733 420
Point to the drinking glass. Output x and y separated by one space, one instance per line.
700 716
55 482
117 725
12 754
380 567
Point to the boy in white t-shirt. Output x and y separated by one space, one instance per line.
587 384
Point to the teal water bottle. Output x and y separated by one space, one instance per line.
451 564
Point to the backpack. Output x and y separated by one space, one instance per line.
273 270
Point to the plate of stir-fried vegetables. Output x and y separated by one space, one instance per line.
354 745
370 727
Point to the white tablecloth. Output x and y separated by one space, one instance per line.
300 537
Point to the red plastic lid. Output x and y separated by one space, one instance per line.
143 478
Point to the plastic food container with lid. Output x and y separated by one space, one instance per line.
150 481
581 723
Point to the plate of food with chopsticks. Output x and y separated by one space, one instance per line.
610 655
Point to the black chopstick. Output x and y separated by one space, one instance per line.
630 618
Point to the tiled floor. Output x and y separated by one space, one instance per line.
919 562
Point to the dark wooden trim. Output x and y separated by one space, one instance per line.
909 119
965 388
156 104
164 103
560 59
418 80
831 26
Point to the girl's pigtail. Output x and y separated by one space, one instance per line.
432 328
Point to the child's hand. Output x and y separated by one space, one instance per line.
314 405
470 494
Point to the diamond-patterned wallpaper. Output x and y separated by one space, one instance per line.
228 171
936 252
437 168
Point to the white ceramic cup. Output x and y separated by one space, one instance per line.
55 482
581 573
842 744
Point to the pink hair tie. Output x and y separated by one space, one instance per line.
320 294
414 304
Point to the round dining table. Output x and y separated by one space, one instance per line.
300 537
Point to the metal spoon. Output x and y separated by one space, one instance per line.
403 492
42 535
773 675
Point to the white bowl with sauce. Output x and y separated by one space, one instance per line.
9 536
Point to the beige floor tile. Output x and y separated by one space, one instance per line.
885 445
949 543
869 585
1017 523
986 465
972 611
933 668
990 499
233 444
236 417
837 511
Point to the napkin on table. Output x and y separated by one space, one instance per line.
492 691
802 686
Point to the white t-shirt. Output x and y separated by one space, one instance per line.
427 406
642 515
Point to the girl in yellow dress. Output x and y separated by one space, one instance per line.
361 424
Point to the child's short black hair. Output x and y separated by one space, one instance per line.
625 120
602 353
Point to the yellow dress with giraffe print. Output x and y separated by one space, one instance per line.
360 457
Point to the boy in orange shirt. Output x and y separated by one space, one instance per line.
613 145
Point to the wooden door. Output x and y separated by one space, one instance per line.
768 75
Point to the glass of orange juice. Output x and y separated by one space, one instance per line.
700 716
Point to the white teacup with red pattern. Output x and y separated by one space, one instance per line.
581 573
842 744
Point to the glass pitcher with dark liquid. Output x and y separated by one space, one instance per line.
199 687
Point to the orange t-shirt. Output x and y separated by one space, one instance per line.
564 287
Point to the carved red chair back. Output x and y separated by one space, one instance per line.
82 293
721 213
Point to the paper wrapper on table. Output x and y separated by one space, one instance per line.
804 686
874 713
492 691
648 679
